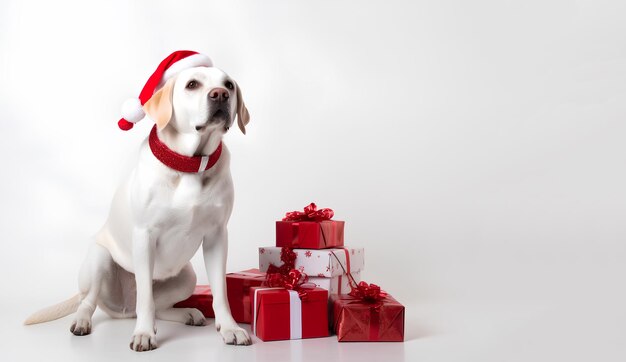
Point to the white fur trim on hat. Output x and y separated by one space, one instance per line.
132 110
196 60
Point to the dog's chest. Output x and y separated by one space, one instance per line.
189 194
182 211
186 202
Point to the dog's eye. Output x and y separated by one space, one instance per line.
229 85
192 84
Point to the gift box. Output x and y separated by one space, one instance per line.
238 290
309 234
311 228
339 284
280 314
317 262
201 299
355 320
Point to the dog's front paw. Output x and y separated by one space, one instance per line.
143 342
81 327
234 335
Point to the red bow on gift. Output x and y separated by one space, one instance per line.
293 280
369 293
286 276
311 213
288 257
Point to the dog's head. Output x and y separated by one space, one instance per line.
198 100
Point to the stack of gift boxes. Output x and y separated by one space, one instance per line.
308 285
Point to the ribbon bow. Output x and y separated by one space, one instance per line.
311 213
369 293
288 257
293 280
286 276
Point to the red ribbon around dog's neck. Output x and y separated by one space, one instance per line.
180 162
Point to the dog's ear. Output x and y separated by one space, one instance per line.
159 106
243 116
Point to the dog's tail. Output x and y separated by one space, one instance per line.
54 311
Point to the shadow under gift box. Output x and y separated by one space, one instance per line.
280 314
354 320
310 234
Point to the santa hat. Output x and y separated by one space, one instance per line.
132 109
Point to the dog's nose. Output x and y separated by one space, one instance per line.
218 95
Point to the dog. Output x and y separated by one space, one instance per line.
139 265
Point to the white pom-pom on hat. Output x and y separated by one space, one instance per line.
132 111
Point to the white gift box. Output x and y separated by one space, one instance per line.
338 284
321 263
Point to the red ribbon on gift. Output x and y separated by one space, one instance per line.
288 257
353 284
311 213
370 294
286 276
293 280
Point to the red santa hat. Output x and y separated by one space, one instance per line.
132 109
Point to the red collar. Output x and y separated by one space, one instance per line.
180 162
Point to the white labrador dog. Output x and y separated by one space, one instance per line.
139 265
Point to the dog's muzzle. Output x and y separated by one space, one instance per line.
219 107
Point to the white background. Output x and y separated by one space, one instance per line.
475 149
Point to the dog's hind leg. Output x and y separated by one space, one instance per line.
97 265
171 291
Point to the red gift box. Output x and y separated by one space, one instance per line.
281 313
238 291
238 286
309 234
201 299
355 320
